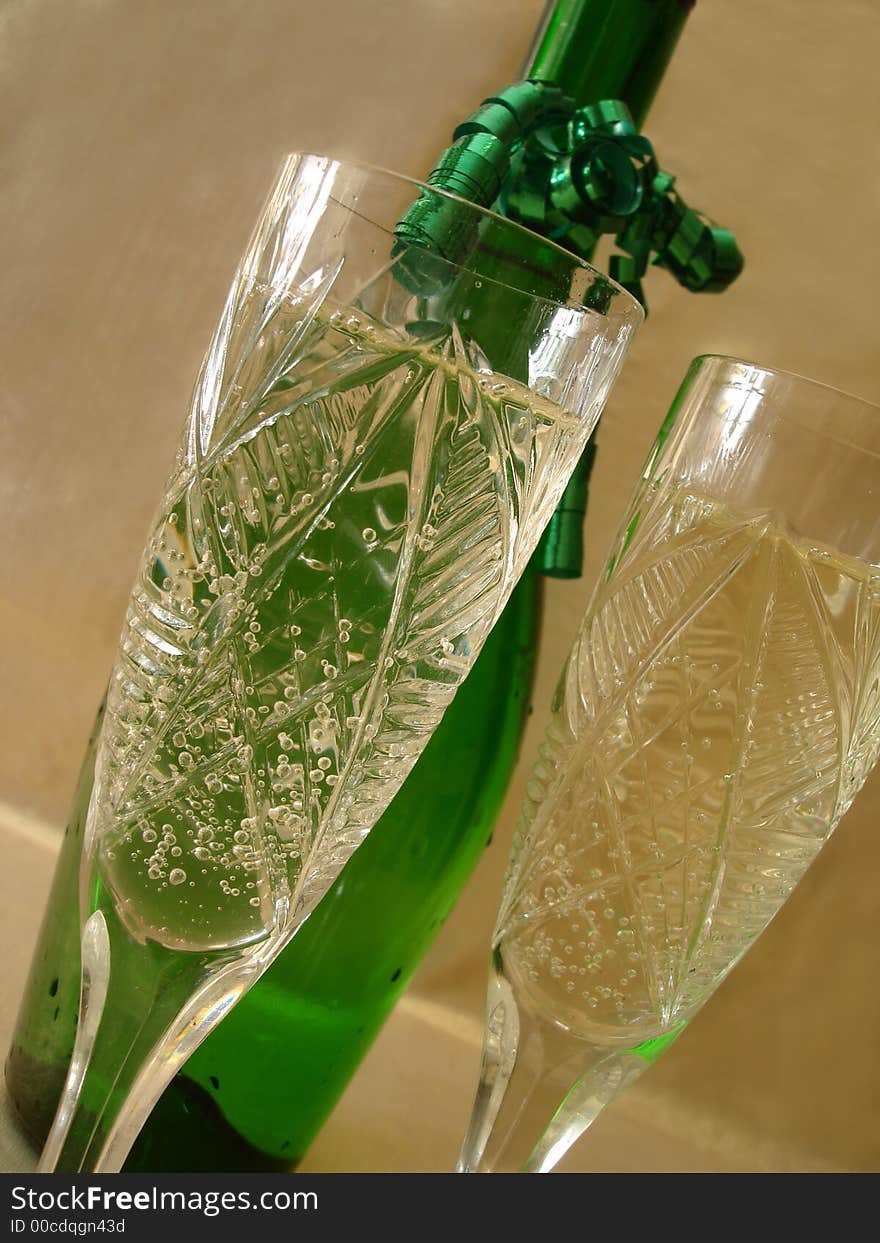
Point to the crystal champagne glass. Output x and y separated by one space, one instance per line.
718 713
378 435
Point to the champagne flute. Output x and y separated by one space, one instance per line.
718 713
378 435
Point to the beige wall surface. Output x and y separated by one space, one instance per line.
137 143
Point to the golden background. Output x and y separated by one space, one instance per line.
138 142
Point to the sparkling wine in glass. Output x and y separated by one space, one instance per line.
717 715
378 435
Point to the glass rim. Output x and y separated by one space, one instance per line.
784 374
634 308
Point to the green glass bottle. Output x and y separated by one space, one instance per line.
256 1093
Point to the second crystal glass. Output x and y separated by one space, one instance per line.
378 436
716 717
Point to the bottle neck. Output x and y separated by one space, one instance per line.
598 49
607 49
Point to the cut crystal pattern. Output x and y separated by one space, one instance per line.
717 715
350 508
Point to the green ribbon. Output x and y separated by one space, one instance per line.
571 175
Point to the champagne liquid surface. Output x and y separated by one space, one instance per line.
718 714
336 541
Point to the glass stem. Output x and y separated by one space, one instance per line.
540 1088
160 1005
